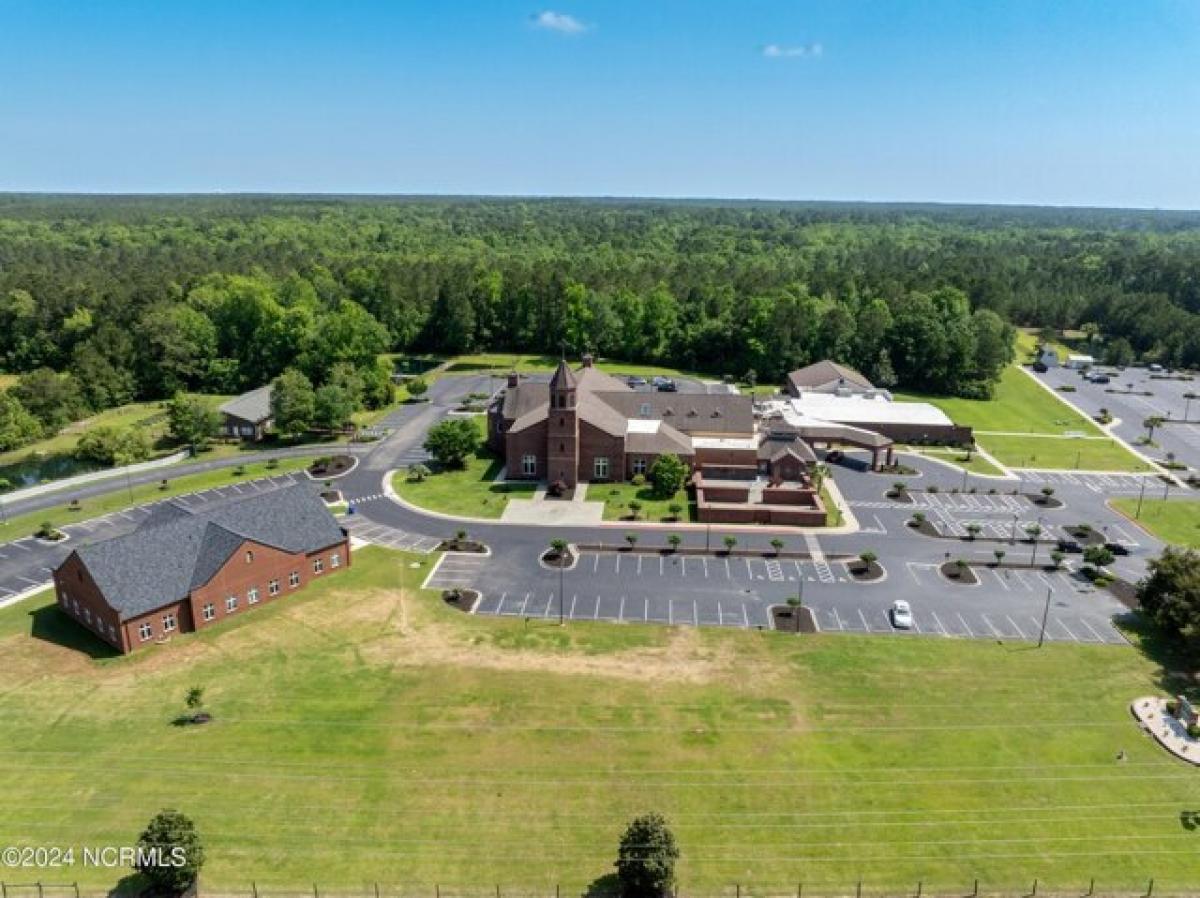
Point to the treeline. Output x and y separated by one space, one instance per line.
140 297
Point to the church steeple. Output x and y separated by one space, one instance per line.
563 387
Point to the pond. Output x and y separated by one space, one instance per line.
38 468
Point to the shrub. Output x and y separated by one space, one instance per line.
932 488
638 480
451 441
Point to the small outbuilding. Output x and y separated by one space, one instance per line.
1079 362
248 416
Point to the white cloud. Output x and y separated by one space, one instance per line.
779 51
558 21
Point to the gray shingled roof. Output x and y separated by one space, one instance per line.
176 550
688 412
824 373
253 406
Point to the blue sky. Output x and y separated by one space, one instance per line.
1026 101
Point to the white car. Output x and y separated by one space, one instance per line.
902 618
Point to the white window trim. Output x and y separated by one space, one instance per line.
252 595
294 579
529 465
231 604
273 588
168 623
335 560
208 612
600 467
145 632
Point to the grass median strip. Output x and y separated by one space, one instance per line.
365 733
1174 521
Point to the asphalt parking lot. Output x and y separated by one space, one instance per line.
739 592
389 537
16 555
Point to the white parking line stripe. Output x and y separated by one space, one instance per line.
1084 621
745 617
938 621
525 604
1037 626
596 563
639 568
991 626
749 572
837 617
863 618
621 613
728 575
1062 624
574 596
1015 627
695 613
997 575
966 626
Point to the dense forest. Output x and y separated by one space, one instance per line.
138 297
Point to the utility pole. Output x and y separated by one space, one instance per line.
1045 615
1141 495
561 567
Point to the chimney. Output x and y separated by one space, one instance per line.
513 378
587 360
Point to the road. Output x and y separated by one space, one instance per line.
739 591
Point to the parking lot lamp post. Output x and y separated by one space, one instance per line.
1166 489
1045 616
966 474
1141 495
1187 403
1012 537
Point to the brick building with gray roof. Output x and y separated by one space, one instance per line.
184 569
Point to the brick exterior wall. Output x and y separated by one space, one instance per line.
595 443
530 441
562 441
81 598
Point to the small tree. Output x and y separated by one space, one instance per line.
1100 556
195 699
1057 557
559 548
1151 423
900 487
418 473
668 474
635 508
777 545
191 421
171 853
973 531
632 539
675 510
460 536
293 402
730 542
417 388
646 858
1047 492
918 517
1033 531
999 553
674 540
452 440
867 558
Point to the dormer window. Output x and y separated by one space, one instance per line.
249 558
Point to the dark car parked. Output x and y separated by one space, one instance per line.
1069 545
1117 548
668 386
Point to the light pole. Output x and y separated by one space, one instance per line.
1141 495
562 557
1045 615
1012 537
966 474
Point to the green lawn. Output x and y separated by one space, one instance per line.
617 496
470 491
976 464
1020 406
1081 454
119 498
1172 520
362 735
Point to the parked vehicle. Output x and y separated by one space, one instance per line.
668 386
902 618
1069 545
1040 367
636 382
1100 379
1155 368
1117 548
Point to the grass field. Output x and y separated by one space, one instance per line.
1022 406
977 464
1172 520
362 734
617 496
119 498
470 491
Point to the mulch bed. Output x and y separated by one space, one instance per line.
716 551
332 496
905 498
556 559
337 464
784 618
465 545
462 599
963 576
1043 501
1088 537
865 573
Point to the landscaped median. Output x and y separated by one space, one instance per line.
1175 521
